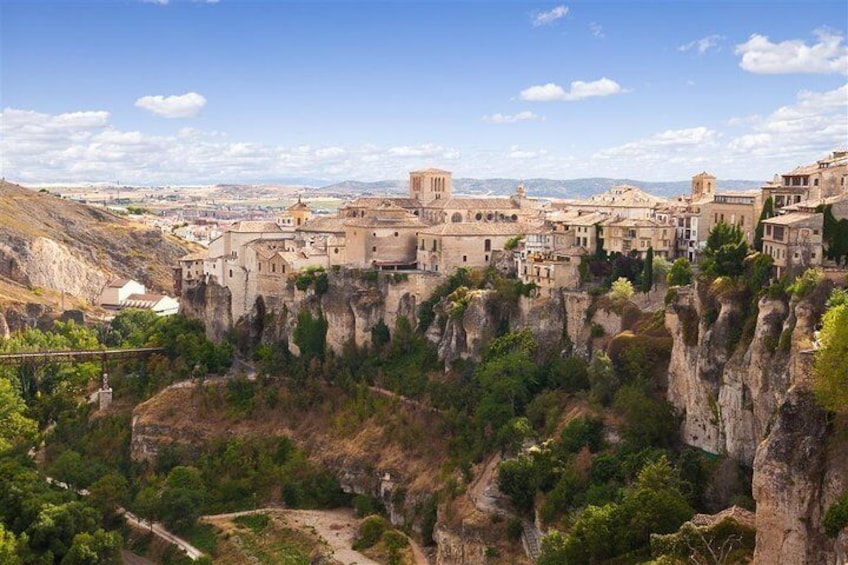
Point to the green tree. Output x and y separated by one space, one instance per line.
310 335
648 272
505 384
830 367
602 380
766 213
648 422
680 273
99 548
725 251
8 547
516 479
109 493
15 427
56 525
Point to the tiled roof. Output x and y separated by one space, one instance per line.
323 225
255 226
432 171
119 283
792 218
196 256
472 203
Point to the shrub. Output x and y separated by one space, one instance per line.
621 290
836 516
370 531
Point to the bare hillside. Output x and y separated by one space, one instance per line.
50 245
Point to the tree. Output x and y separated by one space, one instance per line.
99 548
680 273
602 380
109 493
648 272
830 367
15 427
725 251
649 423
767 212
622 290
8 547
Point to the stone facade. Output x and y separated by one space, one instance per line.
794 242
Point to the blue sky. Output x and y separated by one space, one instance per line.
191 91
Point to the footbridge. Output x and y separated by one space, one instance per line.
35 358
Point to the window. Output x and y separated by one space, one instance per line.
456 217
421 247
435 245
487 258
478 216
336 250
284 268
396 234
815 232
231 273
260 267
273 268
487 246
374 248
464 258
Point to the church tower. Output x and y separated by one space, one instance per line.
703 184
430 184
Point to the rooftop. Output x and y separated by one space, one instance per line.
793 218
255 226
481 228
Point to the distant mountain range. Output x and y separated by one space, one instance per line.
546 188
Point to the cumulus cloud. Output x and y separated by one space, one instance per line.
549 17
177 106
704 44
85 147
525 116
815 123
579 90
660 145
829 55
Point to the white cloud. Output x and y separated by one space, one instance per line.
549 17
660 145
525 116
597 30
515 152
579 90
176 106
829 55
157 2
704 44
85 147
816 123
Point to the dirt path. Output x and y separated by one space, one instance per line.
337 527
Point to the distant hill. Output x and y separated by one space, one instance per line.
49 245
549 188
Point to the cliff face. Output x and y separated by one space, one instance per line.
54 244
753 403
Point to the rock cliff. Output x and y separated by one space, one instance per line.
54 244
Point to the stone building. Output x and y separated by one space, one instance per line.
626 235
430 184
558 269
385 238
624 201
296 215
794 242
447 247
737 208
703 186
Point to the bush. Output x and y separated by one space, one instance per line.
370 531
621 290
836 516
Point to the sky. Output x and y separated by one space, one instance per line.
228 91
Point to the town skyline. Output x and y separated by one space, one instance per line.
204 92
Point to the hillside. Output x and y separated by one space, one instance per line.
50 246
550 188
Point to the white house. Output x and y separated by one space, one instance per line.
117 291
123 293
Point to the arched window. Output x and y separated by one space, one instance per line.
487 245
456 218
478 216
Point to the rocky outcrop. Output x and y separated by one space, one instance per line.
728 393
789 488
209 303
69 247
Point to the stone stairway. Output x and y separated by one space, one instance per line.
530 537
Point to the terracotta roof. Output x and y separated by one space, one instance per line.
323 225
250 226
472 203
793 218
196 256
142 300
374 201
119 283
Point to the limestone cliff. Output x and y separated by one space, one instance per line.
52 244
751 400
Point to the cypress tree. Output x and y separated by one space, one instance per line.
768 212
648 271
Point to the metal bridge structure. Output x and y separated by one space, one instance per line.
78 356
